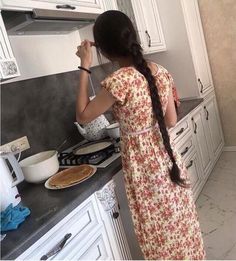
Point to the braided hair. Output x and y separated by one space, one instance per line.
114 37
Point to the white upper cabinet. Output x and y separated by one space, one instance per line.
198 47
8 65
146 19
89 6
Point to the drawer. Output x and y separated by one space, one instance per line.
98 248
179 131
81 222
186 147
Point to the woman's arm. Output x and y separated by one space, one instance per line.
101 103
170 114
87 110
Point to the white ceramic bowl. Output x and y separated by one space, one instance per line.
113 130
39 167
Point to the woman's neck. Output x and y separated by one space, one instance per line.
125 62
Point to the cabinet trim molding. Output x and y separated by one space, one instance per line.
229 148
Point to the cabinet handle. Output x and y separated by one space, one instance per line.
199 80
65 7
185 151
195 126
207 113
57 248
149 38
116 215
190 164
180 131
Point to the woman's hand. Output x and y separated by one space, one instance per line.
84 51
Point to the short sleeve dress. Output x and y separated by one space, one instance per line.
163 213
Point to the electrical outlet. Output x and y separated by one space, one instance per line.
20 144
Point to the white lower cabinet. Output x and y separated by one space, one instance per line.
194 170
213 125
84 233
200 133
110 212
201 146
95 249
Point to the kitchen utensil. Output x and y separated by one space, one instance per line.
92 87
39 167
48 186
8 190
58 148
113 130
92 148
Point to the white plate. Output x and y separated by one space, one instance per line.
47 185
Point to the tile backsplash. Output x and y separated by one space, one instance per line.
43 109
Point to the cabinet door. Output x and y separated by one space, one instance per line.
8 65
110 213
201 141
82 224
146 20
197 45
90 6
194 170
214 126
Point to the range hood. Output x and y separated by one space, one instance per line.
43 21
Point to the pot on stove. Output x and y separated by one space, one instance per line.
95 130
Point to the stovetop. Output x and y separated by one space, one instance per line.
100 159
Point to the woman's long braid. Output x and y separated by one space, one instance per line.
141 65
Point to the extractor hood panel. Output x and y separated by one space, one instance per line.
42 21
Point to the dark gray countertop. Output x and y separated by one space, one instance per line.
48 207
187 106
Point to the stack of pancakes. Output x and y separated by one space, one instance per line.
71 176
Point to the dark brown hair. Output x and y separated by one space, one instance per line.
115 36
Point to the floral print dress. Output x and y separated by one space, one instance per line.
163 213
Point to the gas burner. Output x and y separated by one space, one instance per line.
100 159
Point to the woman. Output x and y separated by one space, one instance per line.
157 185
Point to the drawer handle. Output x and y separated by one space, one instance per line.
57 248
185 151
190 164
199 80
195 126
65 7
149 38
116 215
180 131
207 113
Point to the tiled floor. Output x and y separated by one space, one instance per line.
217 209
